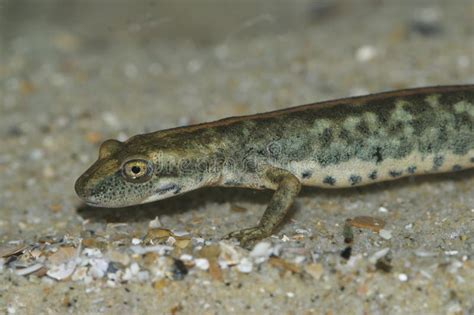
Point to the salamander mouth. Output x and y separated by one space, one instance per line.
167 188
91 203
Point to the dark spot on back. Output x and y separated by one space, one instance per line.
373 175
429 148
326 136
438 162
355 179
363 128
378 155
457 167
306 174
395 173
411 169
345 134
329 180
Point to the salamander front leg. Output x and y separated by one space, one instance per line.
287 188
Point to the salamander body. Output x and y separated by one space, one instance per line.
341 143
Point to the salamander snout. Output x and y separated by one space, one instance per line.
83 190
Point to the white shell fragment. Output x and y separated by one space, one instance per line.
202 263
29 270
159 249
229 255
98 268
136 241
9 250
62 271
385 234
245 265
262 249
379 254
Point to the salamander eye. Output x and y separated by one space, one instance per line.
137 171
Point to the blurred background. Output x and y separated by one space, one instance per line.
74 73
217 58
78 72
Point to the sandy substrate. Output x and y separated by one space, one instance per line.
73 77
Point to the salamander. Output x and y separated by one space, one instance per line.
347 142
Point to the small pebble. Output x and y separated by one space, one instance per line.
423 253
143 276
383 210
36 154
402 277
315 270
136 241
454 266
262 249
179 270
186 257
245 265
199 240
180 233
229 256
98 268
79 274
110 119
427 22
123 137
92 252
346 252
299 259
302 231
454 308
170 241
202 263
134 268
366 53
379 254
385 234
118 257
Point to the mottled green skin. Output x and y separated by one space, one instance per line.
301 142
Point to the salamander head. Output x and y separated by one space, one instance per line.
126 173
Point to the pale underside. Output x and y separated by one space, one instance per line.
389 169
